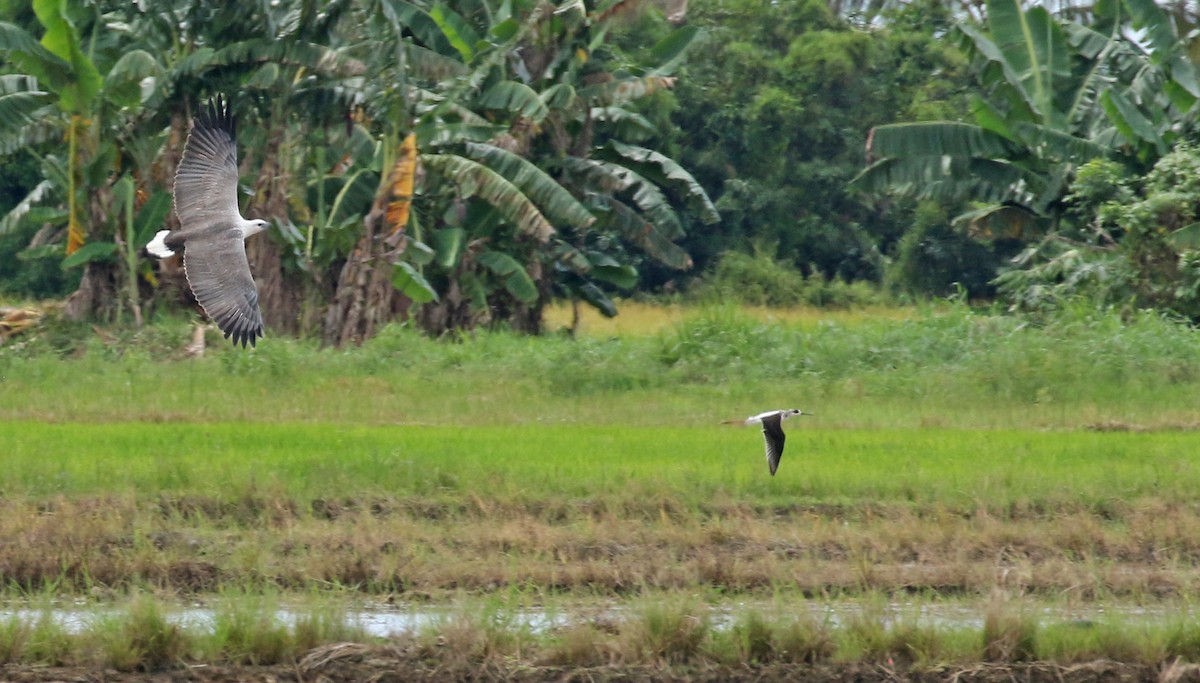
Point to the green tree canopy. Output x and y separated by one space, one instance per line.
773 114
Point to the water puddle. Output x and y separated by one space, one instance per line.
390 621
374 622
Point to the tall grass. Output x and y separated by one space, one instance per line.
948 367
758 637
140 635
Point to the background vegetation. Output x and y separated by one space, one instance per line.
775 177
469 163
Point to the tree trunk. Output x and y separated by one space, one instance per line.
162 172
280 294
365 300
171 277
452 312
97 295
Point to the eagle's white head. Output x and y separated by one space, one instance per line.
253 227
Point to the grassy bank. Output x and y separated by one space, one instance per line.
675 634
948 368
140 634
954 454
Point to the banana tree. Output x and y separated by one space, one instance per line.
440 110
603 203
88 99
1054 95
441 80
594 142
291 70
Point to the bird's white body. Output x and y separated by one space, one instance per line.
773 436
783 415
158 245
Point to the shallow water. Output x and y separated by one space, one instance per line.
390 621
374 622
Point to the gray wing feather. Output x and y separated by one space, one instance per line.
219 274
214 257
773 435
207 178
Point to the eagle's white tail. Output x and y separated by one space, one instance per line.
158 245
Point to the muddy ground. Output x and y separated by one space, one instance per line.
346 663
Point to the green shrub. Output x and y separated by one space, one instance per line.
1128 242
935 259
758 280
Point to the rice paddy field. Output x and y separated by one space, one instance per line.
978 497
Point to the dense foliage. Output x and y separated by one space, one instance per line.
474 159
774 113
1064 105
464 163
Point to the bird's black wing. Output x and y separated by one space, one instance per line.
773 434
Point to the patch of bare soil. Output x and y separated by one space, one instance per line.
359 663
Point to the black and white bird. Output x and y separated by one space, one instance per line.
772 427
212 233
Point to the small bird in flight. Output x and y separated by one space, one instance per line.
772 426
212 233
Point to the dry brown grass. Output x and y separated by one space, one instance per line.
1148 550
1009 633
639 319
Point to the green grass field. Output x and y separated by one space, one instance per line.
954 456
938 368
694 466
